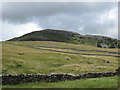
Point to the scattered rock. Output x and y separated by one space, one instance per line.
68 58
118 70
106 61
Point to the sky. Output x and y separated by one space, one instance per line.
95 18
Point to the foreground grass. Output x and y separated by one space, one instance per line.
19 60
106 82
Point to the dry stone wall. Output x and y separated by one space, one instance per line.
26 78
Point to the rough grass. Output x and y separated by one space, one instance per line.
61 44
19 59
69 50
106 82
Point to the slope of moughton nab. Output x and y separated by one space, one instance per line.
26 60
69 37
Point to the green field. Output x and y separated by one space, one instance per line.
106 82
26 60
35 61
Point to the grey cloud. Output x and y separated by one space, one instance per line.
64 15
22 11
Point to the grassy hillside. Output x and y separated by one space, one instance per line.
69 37
21 59
39 59
106 82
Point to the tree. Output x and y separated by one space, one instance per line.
112 45
99 44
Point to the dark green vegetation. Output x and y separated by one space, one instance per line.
106 82
69 37
20 59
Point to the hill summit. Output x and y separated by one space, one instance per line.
69 37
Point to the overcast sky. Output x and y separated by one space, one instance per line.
98 18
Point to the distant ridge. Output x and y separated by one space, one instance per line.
69 37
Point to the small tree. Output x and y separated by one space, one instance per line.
98 44
112 45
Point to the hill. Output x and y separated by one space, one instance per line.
69 37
